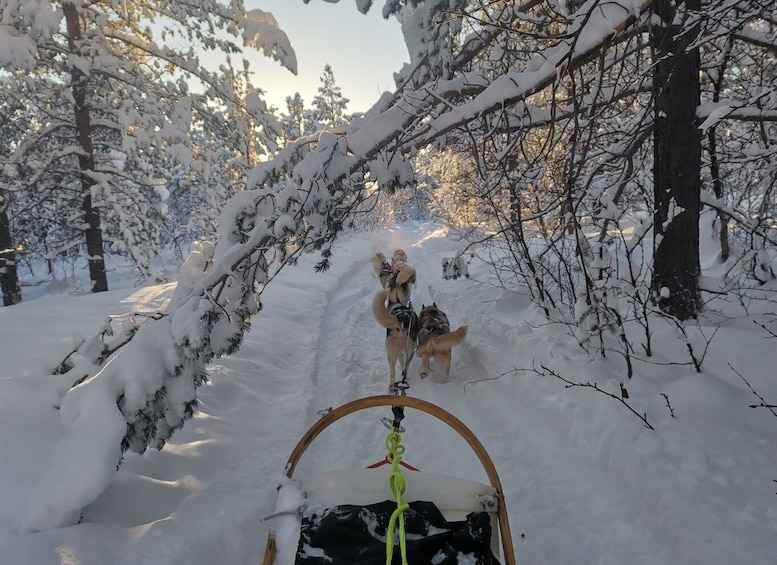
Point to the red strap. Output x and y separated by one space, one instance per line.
386 461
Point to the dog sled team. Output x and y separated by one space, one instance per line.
426 333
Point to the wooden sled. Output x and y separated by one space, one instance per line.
455 497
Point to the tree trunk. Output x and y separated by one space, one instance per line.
717 186
717 182
677 164
94 236
9 279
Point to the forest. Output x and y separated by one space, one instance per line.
556 134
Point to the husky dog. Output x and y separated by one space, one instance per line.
454 267
401 323
435 339
387 271
382 268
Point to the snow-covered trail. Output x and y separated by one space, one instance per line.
540 468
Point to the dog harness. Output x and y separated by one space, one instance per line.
405 314
435 322
394 295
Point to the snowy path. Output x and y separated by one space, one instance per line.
538 468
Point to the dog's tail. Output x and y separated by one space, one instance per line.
381 313
406 275
377 261
442 342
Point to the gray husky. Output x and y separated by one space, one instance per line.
435 339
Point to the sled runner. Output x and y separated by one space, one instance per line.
389 512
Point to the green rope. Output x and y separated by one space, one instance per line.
397 485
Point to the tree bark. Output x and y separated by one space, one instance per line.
717 186
93 232
717 182
9 279
677 164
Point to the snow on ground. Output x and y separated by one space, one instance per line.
585 481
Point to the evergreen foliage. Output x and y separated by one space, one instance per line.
329 105
120 107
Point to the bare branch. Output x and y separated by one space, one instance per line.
763 404
595 386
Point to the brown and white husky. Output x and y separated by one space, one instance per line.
389 272
381 267
401 323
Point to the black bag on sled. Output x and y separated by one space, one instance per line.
356 535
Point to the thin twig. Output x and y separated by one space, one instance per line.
496 378
595 386
668 405
763 403
770 332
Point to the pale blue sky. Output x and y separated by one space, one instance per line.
363 50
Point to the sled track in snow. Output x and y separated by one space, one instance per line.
351 363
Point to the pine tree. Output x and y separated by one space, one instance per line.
677 161
10 120
298 121
9 279
228 138
115 114
329 105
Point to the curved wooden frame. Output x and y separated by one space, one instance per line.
424 406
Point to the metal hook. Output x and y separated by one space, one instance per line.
389 424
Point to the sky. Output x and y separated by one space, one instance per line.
364 51
585 481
